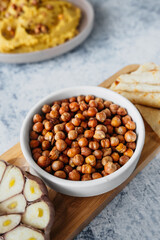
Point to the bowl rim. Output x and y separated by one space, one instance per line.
105 179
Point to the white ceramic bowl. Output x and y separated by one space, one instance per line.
93 187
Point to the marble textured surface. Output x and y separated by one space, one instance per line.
125 32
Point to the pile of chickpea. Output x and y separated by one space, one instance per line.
82 138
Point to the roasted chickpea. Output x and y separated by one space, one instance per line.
63 158
37 118
128 152
97 99
115 156
69 126
99 135
80 98
76 122
72 99
126 119
74 175
123 159
106 160
72 152
60 135
92 111
79 130
85 114
107 103
101 116
60 174
79 169
88 98
36 156
46 145
55 107
68 141
98 154
114 141
72 135
92 123
83 142
43 161
121 130
121 148
116 121
49 136
64 109
84 124
48 125
94 145
88 134
93 103
107 122
131 145
57 165
41 138
35 150
68 169
48 117
113 107
59 127
101 127
107 112
46 153
121 111
71 163
91 160
74 106
74 144
104 173
78 160
110 167
96 175
54 114
86 168
46 108
66 151
100 106
105 143
66 117
130 136
121 138
38 127
33 135
109 129
106 151
83 106
130 125
34 143
86 177
61 145
85 151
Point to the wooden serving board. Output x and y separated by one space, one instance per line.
72 213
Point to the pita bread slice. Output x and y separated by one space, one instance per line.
147 99
152 116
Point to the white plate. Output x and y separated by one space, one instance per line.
85 29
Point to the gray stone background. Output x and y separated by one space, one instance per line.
125 32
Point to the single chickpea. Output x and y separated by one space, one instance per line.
80 98
104 173
74 106
38 127
78 160
46 145
99 100
121 130
107 112
131 145
101 116
71 163
43 161
46 108
63 158
72 99
106 151
72 135
85 114
105 143
93 103
96 175
68 141
48 125
60 174
68 169
76 122
86 177
113 107
106 160
47 116
79 169
88 134
116 121
92 111
88 98
114 141
60 135
59 127
37 118
86 168
74 144
107 122
110 167
130 136
80 116
33 135
35 150
101 127
64 109
74 175
109 129
121 138
94 145
57 165
72 152
107 103
85 151
54 114
61 145
83 142
55 107
84 124
99 135
121 148
69 126
123 159
66 117
36 156
49 136
130 125
115 156
98 154
34 143
100 106
126 119
91 160
83 106
54 154
128 152
92 123
79 130
46 153
121 111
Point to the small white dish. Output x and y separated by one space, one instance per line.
92 187
85 29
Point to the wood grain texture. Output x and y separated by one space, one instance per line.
72 213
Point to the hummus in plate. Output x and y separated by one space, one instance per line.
33 25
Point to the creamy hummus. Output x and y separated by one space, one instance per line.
32 25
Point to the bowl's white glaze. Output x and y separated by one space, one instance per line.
93 187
